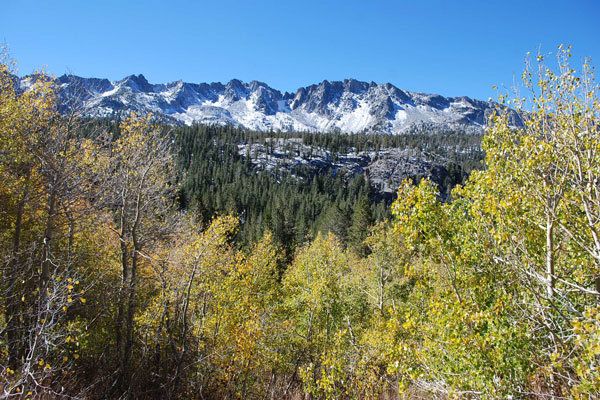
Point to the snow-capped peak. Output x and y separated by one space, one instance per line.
347 106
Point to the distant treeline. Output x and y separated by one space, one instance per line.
216 179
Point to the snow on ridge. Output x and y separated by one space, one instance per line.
348 106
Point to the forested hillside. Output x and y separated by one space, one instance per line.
257 176
146 261
295 201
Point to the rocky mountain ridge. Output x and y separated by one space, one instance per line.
348 106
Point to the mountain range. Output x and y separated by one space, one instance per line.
348 106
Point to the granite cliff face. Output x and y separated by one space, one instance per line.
348 106
385 169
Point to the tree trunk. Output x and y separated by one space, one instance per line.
121 383
550 257
12 300
131 289
45 264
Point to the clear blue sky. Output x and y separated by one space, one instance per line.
444 46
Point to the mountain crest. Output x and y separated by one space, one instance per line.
347 106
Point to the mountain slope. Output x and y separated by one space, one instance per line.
347 106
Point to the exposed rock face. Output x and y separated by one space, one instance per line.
347 106
392 166
385 169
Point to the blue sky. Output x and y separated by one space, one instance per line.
446 47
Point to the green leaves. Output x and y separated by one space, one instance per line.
512 261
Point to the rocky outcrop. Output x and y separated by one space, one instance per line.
385 169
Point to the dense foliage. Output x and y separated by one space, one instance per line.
294 204
118 281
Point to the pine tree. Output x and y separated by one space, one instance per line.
362 220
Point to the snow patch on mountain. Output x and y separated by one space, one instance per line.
348 106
